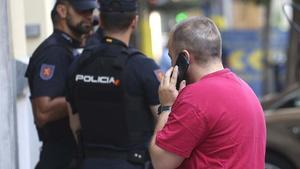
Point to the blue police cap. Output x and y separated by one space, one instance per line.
82 5
118 5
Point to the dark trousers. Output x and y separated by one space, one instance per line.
56 156
106 163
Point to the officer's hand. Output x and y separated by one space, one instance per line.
167 90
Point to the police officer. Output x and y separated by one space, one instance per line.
46 75
113 89
97 36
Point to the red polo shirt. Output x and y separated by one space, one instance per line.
216 123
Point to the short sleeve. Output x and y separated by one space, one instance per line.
184 130
151 75
144 75
49 77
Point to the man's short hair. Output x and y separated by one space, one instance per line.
54 15
198 35
116 22
118 6
117 15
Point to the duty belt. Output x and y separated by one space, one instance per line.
134 156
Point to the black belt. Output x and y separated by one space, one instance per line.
136 156
106 154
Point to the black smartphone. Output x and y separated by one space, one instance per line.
183 64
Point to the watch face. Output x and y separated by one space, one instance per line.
163 108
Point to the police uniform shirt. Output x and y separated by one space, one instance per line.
47 72
143 78
96 38
50 64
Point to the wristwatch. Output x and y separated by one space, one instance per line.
162 109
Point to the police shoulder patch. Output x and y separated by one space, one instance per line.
47 71
159 74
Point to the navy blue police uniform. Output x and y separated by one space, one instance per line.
46 73
96 38
111 87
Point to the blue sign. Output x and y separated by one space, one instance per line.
243 54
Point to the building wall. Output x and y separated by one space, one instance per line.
37 13
29 145
22 14
247 15
17 29
8 146
29 13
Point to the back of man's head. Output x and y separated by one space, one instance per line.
117 15
198 35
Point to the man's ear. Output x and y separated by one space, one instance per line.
134 22
187 55
61 10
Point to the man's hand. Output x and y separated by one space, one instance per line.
167 90
162 159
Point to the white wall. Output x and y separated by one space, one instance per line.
28 142
38 12
8 146
22 13
17 28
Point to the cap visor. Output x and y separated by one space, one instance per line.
82 6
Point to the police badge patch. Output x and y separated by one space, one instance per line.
47 71
159 74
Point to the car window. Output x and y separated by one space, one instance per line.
291 102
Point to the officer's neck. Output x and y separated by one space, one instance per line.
122 36
64 28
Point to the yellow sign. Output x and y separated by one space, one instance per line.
235 60
255 60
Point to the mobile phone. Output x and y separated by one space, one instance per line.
183 64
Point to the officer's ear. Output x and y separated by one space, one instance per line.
62 10
134 22
101 21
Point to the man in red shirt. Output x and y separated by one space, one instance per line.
216 121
